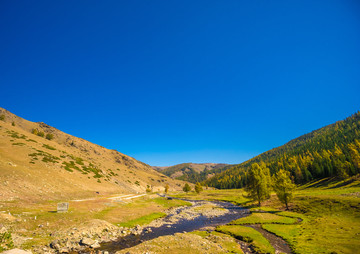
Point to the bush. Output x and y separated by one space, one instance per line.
49 136
13 123
41 134
2 118
34 131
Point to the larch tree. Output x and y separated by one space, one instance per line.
283 187
198 188
258 184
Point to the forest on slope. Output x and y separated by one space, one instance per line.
332 151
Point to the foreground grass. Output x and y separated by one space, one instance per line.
142 220
260 218
258 242
234 196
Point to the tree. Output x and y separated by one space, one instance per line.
187 187
258 187
13 123
283 187
198 188
166 188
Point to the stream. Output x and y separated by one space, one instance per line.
180 220
187 219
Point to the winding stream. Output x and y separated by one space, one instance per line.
169 227
179 221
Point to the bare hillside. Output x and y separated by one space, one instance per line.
38 161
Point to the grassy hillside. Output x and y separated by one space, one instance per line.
39 162
193 172
333 150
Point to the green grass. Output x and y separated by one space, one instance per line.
235 196
258 242
142 220
170 203
261 218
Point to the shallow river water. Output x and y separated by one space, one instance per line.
180 226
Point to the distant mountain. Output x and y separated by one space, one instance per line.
333 150
193 172
38 161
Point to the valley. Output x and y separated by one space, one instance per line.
117 204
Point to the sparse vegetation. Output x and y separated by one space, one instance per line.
2 117
6 242
49 147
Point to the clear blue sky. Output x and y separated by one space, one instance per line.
181 81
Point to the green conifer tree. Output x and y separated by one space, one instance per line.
283 187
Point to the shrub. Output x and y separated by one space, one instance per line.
34 131
2 118
13 123
41 134
49 136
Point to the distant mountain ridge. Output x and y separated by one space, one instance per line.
192 172
38 161
333 150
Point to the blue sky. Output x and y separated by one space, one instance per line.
181 81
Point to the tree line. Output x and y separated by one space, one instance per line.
332 151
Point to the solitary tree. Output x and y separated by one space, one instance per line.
187 187
198 188
258 185
166 188
283 187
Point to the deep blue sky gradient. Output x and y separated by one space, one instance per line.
181 81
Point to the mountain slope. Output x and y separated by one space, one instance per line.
330 151
38 161
192 172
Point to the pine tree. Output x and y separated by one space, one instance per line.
258 183
283 187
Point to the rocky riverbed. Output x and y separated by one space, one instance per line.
99 236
